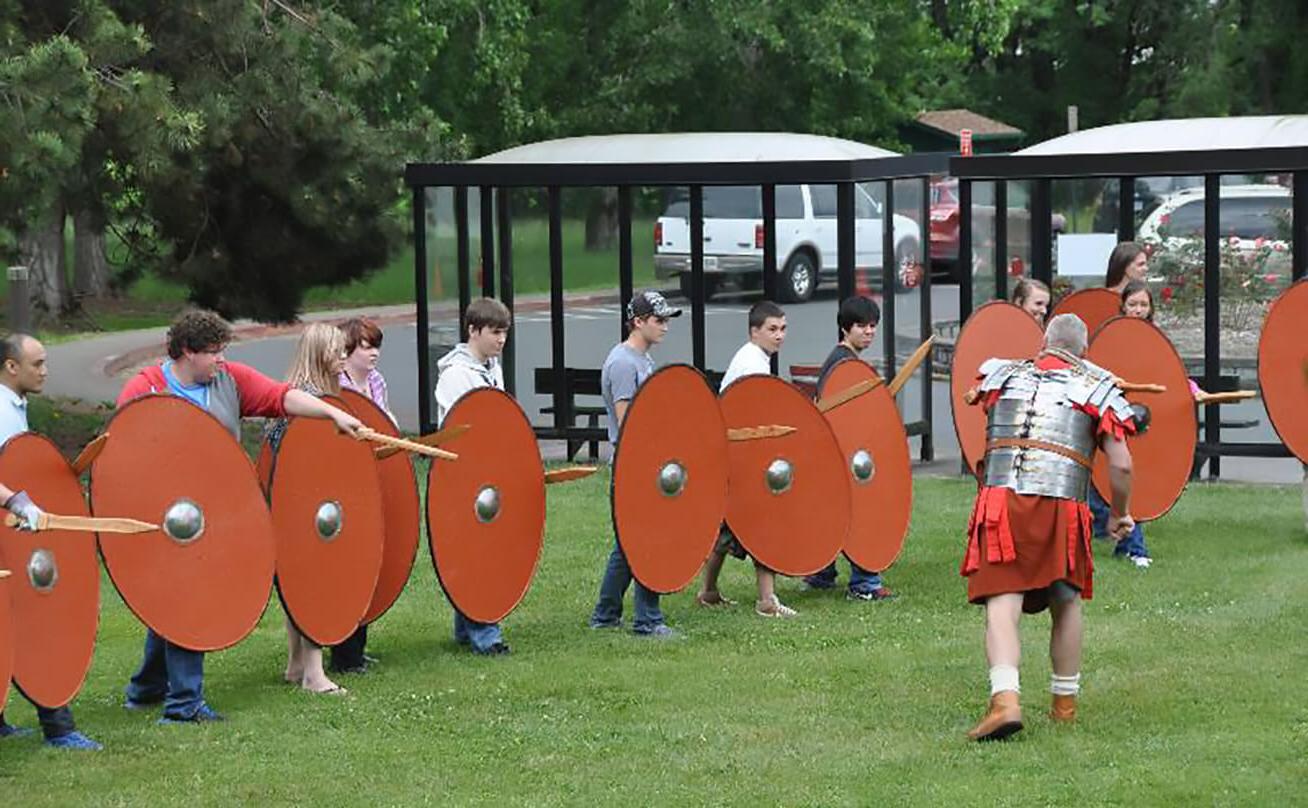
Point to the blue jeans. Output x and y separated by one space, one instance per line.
860 580
171 674
481 636
55 723
608 610
1132 545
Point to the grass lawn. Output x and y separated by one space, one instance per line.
1191 693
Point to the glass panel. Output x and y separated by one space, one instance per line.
442 301
824 201
1085 232
1255 223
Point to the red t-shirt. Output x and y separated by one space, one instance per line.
261 397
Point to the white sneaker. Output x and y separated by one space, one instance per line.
1142 562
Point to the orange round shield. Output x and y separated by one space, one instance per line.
202 580
788 496
400 503
1283 368
996 330
670 478
1094 306
55 581
263 466
877 464
327 510
1135 350
486 510
6 638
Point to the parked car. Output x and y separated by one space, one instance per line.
806 237
1251 214
945 226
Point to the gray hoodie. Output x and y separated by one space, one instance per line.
458 372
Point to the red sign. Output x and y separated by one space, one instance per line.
965 142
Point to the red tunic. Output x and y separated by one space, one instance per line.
1026 543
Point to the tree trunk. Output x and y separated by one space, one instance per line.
90 266
41 249
602 221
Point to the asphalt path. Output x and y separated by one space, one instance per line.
591 329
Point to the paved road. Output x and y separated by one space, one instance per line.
591 330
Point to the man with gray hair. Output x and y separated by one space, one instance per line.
1028 545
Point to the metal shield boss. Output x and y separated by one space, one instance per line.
878 467
1283 368
669 491
202 580
400 503
788 497
54 581
327 512
996 330
486 510
1094 306
1137 351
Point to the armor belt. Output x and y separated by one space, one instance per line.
1026 443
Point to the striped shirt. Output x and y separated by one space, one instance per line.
374 387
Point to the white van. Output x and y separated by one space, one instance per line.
806 237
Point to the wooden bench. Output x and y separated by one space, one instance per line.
574 382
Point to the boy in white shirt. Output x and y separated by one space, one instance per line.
468 366
767 330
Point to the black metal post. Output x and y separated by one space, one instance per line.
770 254
846 256
697 277
1126 208
1042 231
965 249
1212 314
462 257
1001 239
487 197
558 359
625 290
926 327
1299 226
505 214
889 278
420 298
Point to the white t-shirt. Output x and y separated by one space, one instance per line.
750 360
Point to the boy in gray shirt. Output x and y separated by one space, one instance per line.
625 370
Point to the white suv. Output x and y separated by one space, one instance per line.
806 237
1248 213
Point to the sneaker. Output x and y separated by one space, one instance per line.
203 715
774 609
814 582
606 623
881 593
661 632
1143 562
73 740
136 706
497 649
10 731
